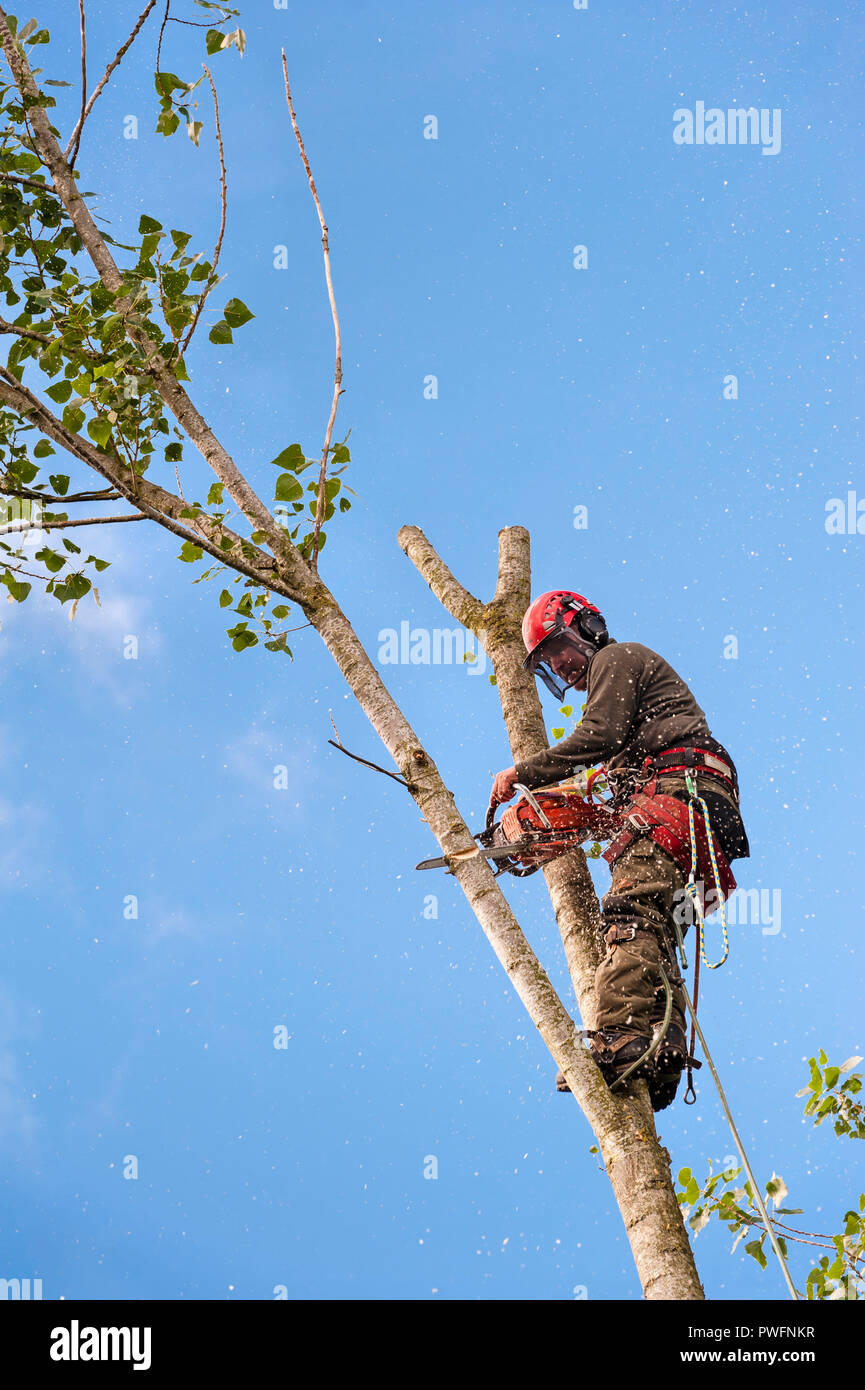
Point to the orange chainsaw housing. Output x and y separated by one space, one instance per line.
577 817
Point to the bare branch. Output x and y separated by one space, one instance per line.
161 32
17 569
80 126
467 609
514 581
38 524
366 762
75 138
337 374
223 198
6 327
107 494
28 183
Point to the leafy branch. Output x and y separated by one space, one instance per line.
840 1274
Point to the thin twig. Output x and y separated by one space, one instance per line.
337 375
75 137
161 32
107 494
38 524
366 762
18 570
223 197
80 126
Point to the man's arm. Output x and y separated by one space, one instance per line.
613 697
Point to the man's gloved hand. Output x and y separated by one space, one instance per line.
503 786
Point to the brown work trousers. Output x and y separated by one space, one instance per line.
629 987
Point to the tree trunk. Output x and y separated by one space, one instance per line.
637 1165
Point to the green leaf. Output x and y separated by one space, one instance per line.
168 82
76 586
236 313
755 1248
684 1176
59 482
292 457
190 552
167 123
60 391
220 333
225 599
174 452
241 638
99 431
558 733
213 40
181 239
50 559
281 611
18 590
149 224
214 496
73 418
288 489
43 449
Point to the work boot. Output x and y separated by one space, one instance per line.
667 1065
613 1050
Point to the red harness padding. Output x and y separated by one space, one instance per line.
666 819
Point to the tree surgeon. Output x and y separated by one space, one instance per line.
642 723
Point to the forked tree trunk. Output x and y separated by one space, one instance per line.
636 1163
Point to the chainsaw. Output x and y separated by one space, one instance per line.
538 828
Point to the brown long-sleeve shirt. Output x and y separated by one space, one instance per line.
636 704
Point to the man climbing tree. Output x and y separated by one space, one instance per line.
642 722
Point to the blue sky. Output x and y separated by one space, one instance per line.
557 388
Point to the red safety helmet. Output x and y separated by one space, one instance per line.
561 614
